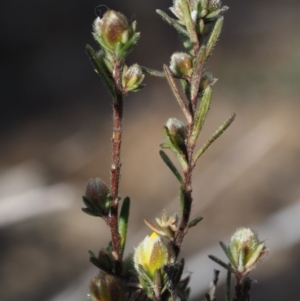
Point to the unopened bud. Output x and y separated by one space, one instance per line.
132 78
152 254
181 64
106 287
112 28
178 131
246 250
97 192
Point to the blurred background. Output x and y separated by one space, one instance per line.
55 134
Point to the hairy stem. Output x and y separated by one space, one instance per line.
187 195
115 170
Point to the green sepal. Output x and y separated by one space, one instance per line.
175 149
92 208
103 262
195 221
201 113
172 22
214 36
203 4
145 276
172 167
157 283
122 49
155 228
123 222
214 137
101 69
91 212
197 73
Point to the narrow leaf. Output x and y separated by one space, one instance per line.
214 36
173 22
172 167
214 137
195 221
101 70
221 263
228 286
197 73
123 222
152 72
190 26
176 93
201 113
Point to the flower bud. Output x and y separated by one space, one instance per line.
106 287
246 250
114 34
112 27
181 64
178 131
152 254
132 78
97 193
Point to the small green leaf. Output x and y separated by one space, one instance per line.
153 72
221 263
214 36
172 167
201 113
195 221
214 137
228 286
197 73
101 69
123 221
189 23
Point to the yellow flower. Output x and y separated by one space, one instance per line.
152 254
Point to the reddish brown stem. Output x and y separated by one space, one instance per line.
115 171
187 196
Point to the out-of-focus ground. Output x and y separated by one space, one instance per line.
55 134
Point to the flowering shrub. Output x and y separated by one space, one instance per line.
154 271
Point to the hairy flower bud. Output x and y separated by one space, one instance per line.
152 254
178 131
181 64
106 287
112 27
132 78
246 250
97 192
115 34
